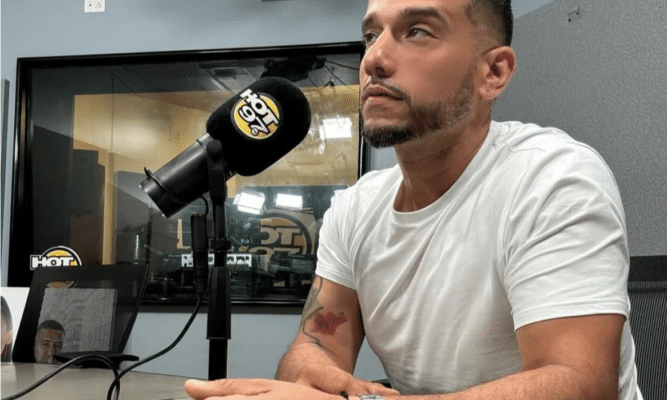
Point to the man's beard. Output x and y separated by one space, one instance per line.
422 119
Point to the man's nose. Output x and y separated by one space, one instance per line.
379 59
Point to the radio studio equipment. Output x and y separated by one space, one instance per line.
245 135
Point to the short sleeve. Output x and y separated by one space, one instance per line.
333 261
565 241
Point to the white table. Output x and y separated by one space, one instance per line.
89 383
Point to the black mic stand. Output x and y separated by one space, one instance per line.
219 322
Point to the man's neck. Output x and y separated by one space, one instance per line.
431 165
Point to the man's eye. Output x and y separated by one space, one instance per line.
417 32
369 38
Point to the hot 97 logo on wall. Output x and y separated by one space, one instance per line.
291 232
256 115
60 256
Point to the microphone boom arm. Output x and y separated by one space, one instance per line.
218 330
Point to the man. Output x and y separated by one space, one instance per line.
48 341
491 263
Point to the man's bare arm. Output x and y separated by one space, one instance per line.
329 333
574 358
325 350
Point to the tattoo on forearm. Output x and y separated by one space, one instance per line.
325 324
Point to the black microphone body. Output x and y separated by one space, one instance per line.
257 127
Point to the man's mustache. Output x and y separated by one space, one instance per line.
382 87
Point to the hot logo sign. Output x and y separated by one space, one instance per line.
284 231
60 256
256 115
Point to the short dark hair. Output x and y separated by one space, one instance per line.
51 325
496 15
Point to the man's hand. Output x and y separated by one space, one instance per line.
334 380
256 389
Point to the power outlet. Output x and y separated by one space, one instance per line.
92 6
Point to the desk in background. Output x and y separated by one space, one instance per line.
89 383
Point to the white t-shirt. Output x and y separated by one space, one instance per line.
533 229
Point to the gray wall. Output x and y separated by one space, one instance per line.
601 79
258 341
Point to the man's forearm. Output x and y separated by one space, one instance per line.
550 382
293 362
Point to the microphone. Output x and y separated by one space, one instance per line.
257 127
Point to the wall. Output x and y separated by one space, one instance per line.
600 78
59 28
258 341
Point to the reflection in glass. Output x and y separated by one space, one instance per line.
93 129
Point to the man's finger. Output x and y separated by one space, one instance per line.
224 387
382 390
360 386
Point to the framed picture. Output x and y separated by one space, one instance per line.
79 309
88 126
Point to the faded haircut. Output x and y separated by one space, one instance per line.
495 16
51 325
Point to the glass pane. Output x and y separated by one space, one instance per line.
93 129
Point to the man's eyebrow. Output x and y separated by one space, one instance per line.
422 12
367 22
409 13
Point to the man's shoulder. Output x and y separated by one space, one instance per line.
520 135
550 159
541 141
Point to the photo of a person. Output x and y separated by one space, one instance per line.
7 332
48 341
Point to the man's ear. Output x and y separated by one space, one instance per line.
498 66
